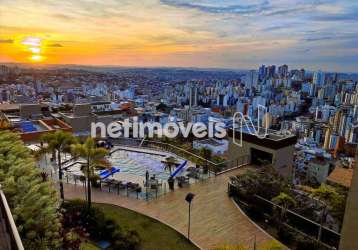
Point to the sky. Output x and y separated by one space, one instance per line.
242 34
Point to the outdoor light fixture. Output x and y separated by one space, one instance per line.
189 198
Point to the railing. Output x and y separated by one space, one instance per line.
9 223
298 223
146 193
216 168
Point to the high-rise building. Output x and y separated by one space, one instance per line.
193 96
262 72
220 100
270 71
302 74
283 71
327 139
251 79
318 78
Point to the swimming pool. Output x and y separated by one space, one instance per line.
137 163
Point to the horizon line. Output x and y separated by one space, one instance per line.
166 67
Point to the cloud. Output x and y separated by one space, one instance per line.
223 32
6 41
320 38
349 16
258 7
55 45
338 37
224 7
32 41
286 11
63 17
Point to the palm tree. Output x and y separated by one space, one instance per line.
94 157
285 201
170 162
205 153
328 197
57 142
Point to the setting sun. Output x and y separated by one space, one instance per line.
35 50
37 58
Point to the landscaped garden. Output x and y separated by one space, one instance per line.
153 234
120 228
299 216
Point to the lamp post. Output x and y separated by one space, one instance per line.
189 198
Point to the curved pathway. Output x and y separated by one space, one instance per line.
215 218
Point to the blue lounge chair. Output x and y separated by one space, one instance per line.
108 172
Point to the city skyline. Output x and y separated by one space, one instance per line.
180 33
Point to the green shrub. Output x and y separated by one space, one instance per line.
128 239
98 226
304 243
286 235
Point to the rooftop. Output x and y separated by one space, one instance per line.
341 176
273 139
6 107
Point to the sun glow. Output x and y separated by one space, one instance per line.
35 50
37 58
32 41
33 47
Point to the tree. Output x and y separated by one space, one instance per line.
170 162
33 201
58 142
325 193
285 201
94 157
205 153
331 200
163 108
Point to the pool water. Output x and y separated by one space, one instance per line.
138 163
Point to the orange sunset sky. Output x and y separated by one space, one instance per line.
202 33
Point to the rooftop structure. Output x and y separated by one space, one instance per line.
276 149
341 176
31 121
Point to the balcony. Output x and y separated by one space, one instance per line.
9 236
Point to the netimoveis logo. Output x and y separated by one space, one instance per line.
244 124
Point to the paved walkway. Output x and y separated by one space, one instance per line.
215 218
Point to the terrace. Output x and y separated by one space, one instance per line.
142 173
220 221
215 217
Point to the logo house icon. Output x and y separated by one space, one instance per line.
244 124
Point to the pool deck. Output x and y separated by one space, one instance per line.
215 219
